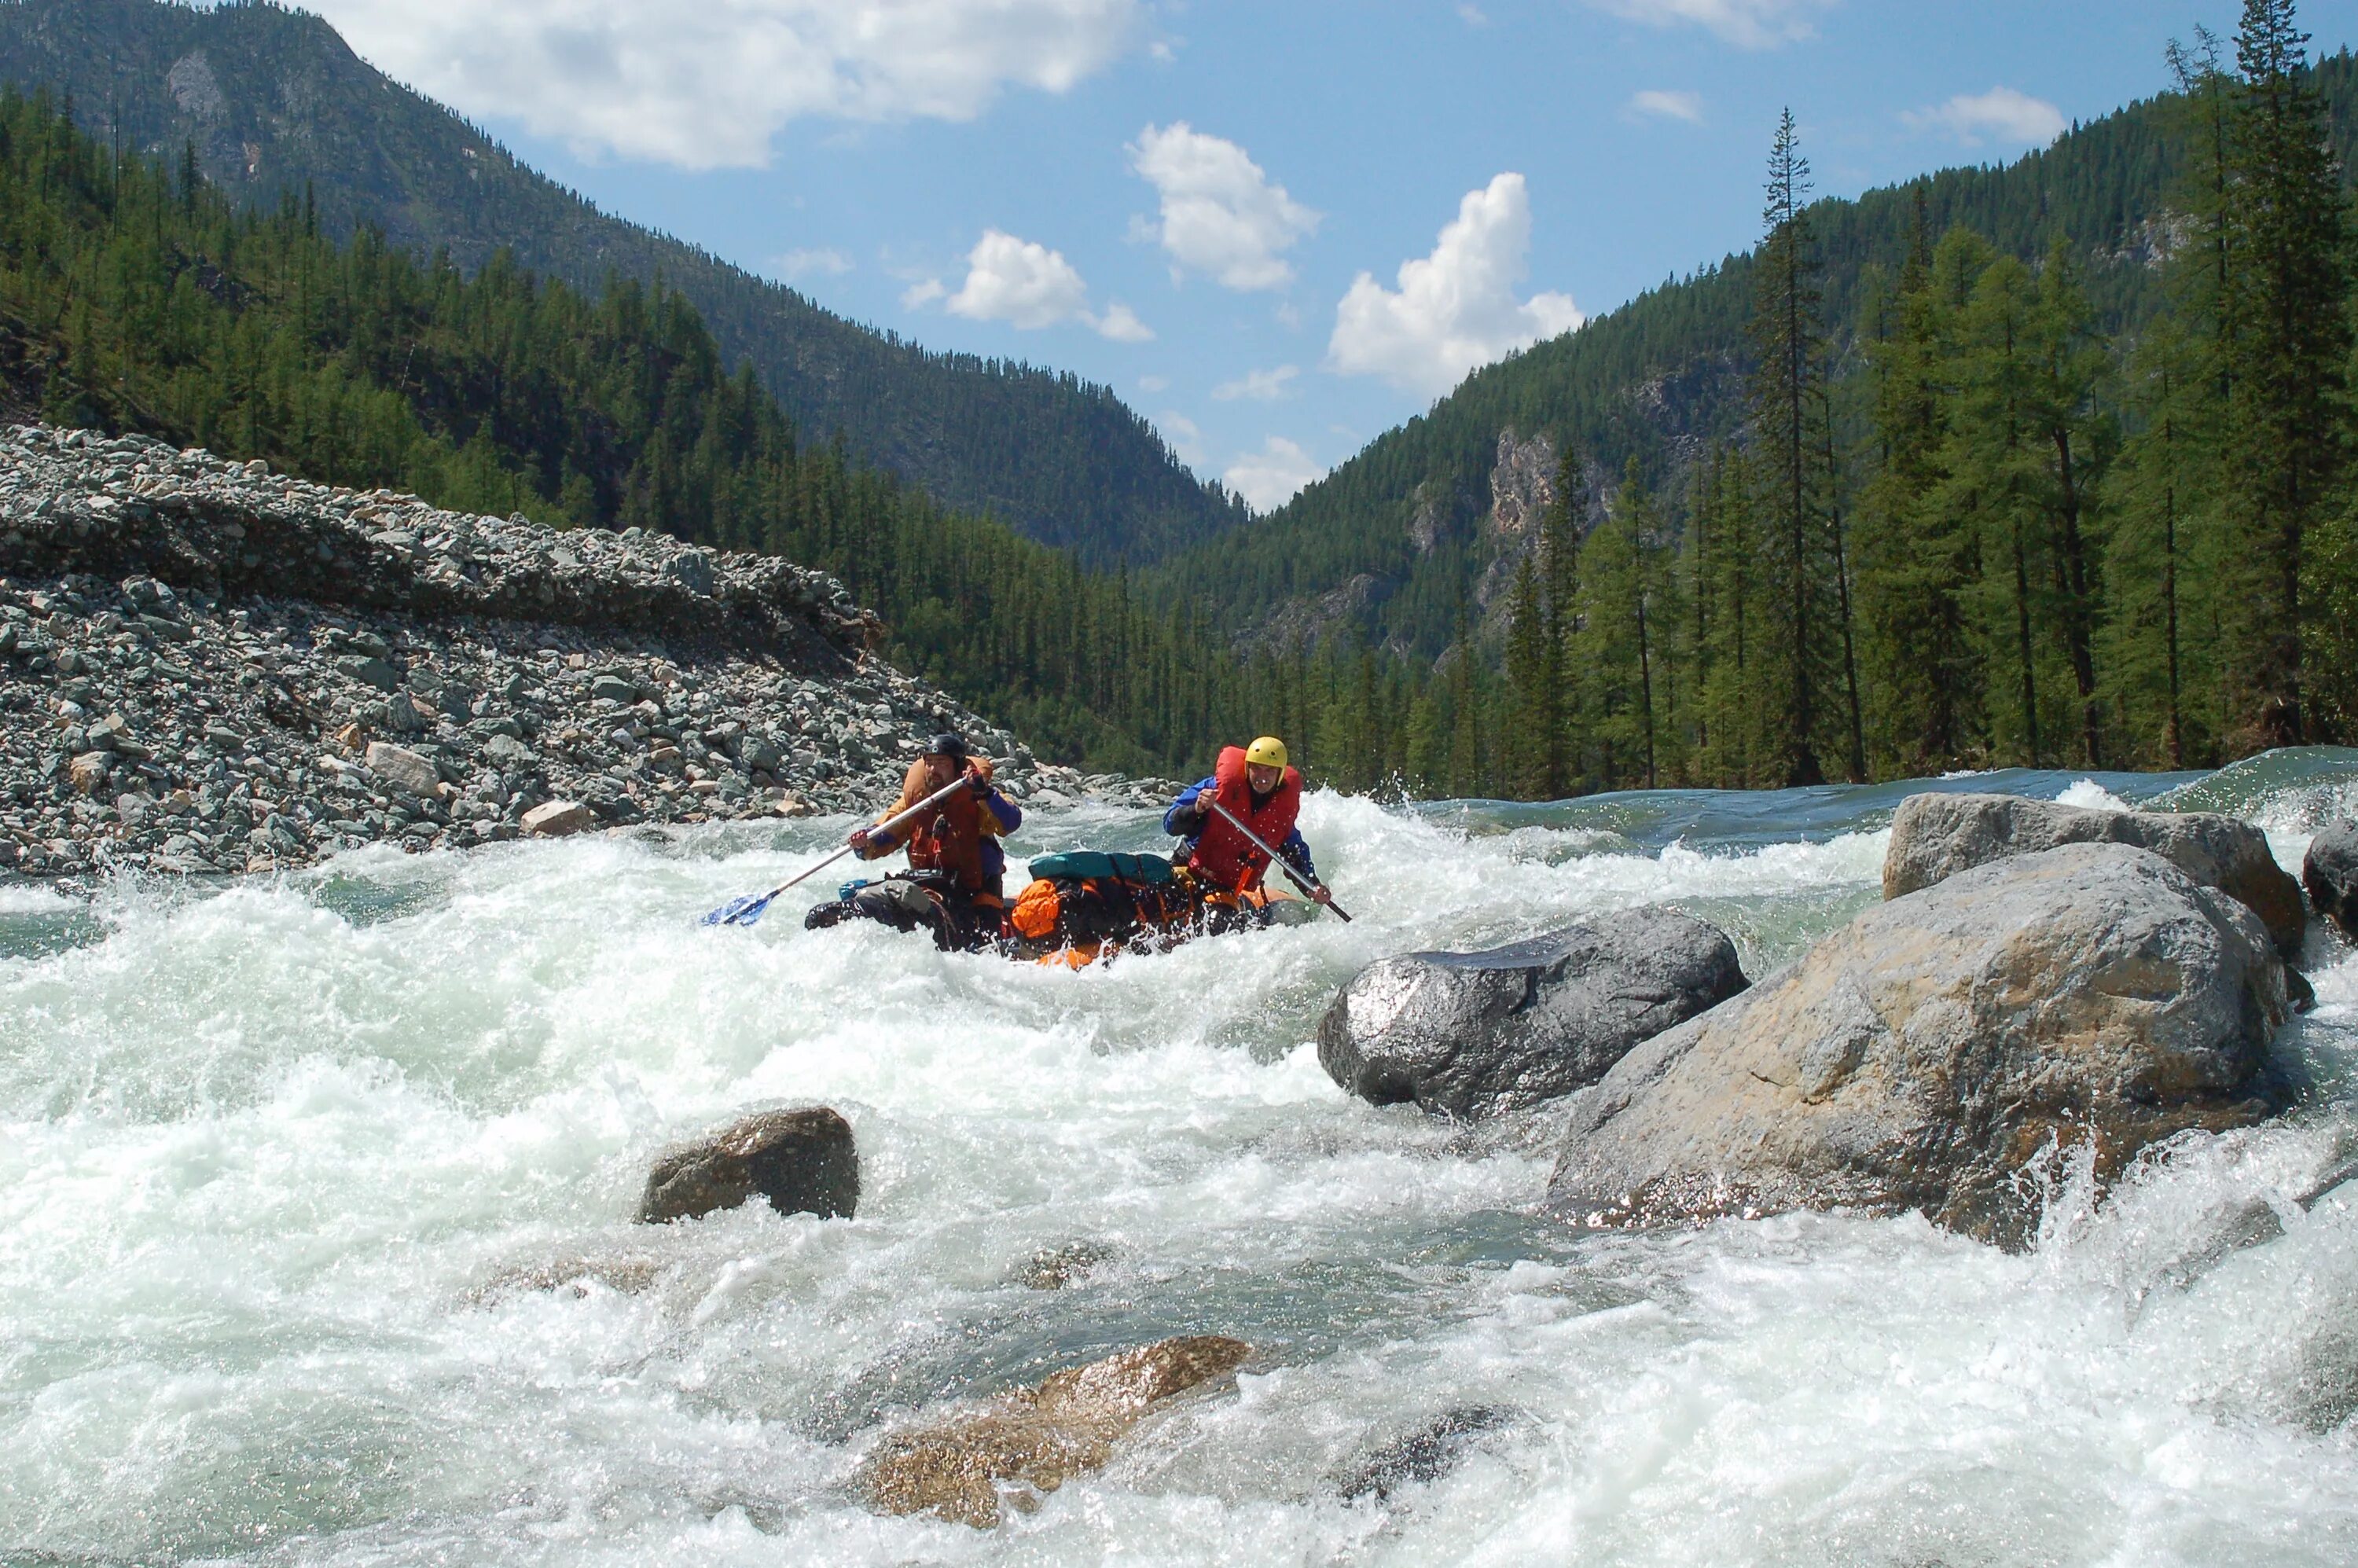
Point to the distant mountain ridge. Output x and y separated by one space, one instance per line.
276 103
1438 509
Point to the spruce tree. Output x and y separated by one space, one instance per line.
1788 342
2287 346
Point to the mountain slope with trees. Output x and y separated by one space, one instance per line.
273 103
1966 507
135 298
1662 379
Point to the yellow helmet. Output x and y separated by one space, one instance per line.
1269 751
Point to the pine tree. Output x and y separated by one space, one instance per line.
2288 343
1788 340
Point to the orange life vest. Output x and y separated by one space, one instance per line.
949 837
1223 856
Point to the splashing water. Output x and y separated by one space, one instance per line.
284 1164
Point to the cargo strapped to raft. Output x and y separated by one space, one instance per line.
1153 870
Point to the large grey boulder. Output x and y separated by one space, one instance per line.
802 1160
1936 836
2330 873
1473 1034
1924 1056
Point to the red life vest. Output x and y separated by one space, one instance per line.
1223 856
949 837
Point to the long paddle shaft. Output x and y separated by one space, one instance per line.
744 911
1258 842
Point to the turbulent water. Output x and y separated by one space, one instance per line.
281 1164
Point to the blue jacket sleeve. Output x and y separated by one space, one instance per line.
1010 816
1296 851
1186 819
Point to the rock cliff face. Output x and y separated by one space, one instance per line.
205 666
1522 486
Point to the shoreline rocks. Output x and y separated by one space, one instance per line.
208 668
1476 1034
1936 835
803 1161
1925 1056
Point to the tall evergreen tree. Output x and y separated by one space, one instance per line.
1788 341
2286 353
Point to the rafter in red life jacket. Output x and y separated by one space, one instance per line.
1223 856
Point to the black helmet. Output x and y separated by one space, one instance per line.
946 745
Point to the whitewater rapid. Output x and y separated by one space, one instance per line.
281 1164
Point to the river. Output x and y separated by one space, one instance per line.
274 1155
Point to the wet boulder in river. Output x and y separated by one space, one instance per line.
1425 1453
1038 1437
803 1161
1926 1055
1473 1034
1936 836
2330 873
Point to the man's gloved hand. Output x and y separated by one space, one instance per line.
978 769
1187 821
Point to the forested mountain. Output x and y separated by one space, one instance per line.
1438 509
275 104
2009 469
133 297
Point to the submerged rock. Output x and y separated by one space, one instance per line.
625 1273
1427 1454
1038 1437
1473 1034
1923 1056
802 1160
1053 1268
2330 873
1936 836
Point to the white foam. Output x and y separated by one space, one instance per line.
260 1162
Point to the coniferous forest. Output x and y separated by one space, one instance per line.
1965 528
1976 512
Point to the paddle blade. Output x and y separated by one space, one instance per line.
740 910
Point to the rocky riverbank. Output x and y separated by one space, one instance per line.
205 666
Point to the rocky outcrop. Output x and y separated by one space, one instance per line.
1922 1057
207 667
802 1160
2330 871
1936 836
1473 1034
1038 1437
1522 485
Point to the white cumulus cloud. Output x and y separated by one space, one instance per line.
1662 106
1456 309
1269 478
1029 286
796 266
706 85
1261 386
1122 324
1220 214
1183 436
1747 24
2001 114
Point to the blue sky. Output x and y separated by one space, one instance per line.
1209 205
